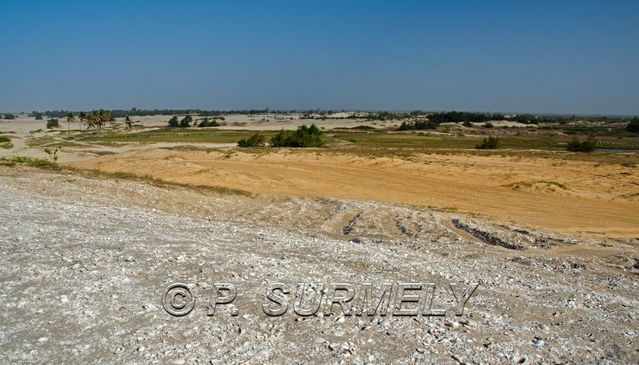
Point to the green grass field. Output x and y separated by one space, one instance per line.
179 135
373 139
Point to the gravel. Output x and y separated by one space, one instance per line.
85 262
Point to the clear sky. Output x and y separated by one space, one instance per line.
555 56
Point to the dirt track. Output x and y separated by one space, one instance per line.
564 196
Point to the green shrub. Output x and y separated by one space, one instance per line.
633 125
174 122
186 121
363 128
256 140
53 123
467 124
488 125
587 145
208 123
303 137
417 125
488 143
29 161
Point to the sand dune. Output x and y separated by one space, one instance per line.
564 196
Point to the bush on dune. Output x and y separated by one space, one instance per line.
588 145
256 140
53 123
303 137
206 122
488 143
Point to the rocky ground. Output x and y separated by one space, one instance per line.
86 261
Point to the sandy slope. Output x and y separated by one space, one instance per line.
563 196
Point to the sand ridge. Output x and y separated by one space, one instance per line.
564 196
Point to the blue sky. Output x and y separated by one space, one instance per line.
509 56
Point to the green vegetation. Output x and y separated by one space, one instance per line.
9 116
185 122
158 182
174 122
488 143
457 117
206 122
177 135
53 123
70 119
545 137
96 118
377 139
52 153
5 142
363 128
417 125
587 145
29 161
128 122
256 140
633 125
303 137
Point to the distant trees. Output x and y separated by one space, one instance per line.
417 125
433 120
9 116
524 118
97 118
633 125
83 118
456 117
587 145
488 143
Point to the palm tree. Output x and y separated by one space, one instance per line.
91 120
70 118
83 118
103 117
